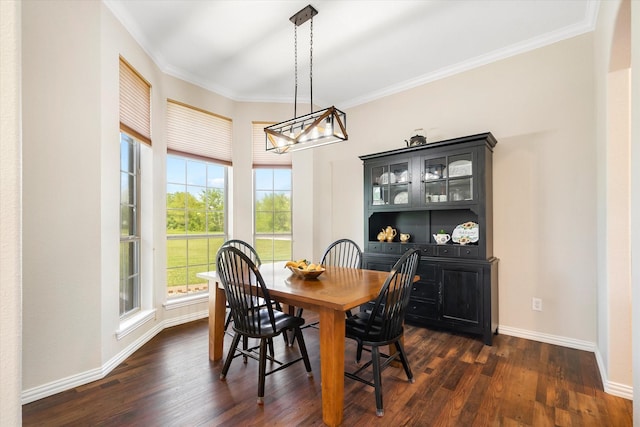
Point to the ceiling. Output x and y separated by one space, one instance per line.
362 50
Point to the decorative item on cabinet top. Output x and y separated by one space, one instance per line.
419 138
468 232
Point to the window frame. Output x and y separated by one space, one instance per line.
273 235
135 238
187 236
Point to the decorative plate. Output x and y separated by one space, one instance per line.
387 178
466 233
306 274
401 198
460 168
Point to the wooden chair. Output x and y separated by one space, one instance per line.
246 291
249 251
341 253
383 324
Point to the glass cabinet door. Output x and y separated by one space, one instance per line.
435 180
460 171
448 178
390 184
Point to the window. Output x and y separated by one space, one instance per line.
135 113
195 221
198 153
129 225
272 209
272 199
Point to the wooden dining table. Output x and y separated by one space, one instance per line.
334 292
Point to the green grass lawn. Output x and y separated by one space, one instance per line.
186 258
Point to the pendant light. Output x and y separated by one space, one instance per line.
316 128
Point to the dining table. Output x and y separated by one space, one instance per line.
331 294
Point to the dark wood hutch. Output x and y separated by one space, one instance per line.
421 190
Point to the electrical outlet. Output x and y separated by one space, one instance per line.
536 304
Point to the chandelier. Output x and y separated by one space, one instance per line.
316 128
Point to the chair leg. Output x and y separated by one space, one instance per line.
227 321
245 345
405 361
232 351
262 370
359 351
270 344
377 379
293 337
303 350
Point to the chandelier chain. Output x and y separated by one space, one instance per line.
311 65
295 50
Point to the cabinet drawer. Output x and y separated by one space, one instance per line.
404 247
447 250
385 248
426 251
421 310
468 251
391 248
424 290
375 247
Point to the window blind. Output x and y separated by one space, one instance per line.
198 133
263 158
135 103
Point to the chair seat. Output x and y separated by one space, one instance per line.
262 323
356 327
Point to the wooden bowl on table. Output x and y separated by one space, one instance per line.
306 274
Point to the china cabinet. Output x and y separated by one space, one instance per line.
438 188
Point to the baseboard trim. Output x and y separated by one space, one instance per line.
54 387
547 338
610 387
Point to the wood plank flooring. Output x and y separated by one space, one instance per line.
459 382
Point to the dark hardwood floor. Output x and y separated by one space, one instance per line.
459 382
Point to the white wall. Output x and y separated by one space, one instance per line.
612 61
10 216
61 192
635 204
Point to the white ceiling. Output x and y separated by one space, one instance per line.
362 50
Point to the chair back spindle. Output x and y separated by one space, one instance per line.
245 291
342 253
393 299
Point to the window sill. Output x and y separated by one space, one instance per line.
134 322
180 302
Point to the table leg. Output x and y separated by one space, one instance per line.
332 365
217 311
